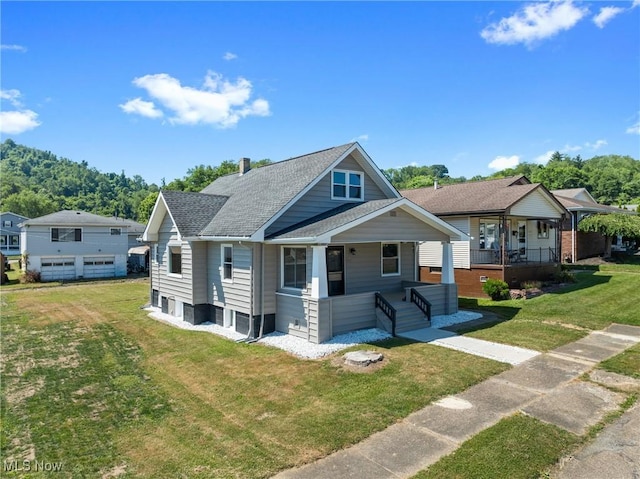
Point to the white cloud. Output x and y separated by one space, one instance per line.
19 120
605 15
534 23
502 162
219 102
635 3
634 129
544 158
570 148
17 48
364 137
597 145
141 107
229 56
16 122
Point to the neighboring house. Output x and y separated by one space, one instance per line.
10 233
513 227
137 253
75 244
577 245
300 246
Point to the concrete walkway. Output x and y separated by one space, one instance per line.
544 387
478 347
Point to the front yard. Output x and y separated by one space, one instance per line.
91 383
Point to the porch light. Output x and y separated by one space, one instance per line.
352 251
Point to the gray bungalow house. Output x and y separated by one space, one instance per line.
313 246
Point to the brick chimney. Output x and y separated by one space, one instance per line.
245 165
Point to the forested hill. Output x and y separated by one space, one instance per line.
35 183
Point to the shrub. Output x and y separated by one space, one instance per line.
496 289
531 284
565 277
30 276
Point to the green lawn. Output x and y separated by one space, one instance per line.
90 381
596 300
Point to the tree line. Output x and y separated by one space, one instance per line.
36 182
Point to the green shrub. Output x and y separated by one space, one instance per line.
496 289
565 277
531 284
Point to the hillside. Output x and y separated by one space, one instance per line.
36 182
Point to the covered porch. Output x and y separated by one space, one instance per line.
362 273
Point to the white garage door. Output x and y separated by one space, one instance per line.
99 267
52 269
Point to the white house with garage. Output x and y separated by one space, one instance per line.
71 245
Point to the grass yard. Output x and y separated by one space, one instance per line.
598 299
90 382
518 447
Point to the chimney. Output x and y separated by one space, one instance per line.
245 165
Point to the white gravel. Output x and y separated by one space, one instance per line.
301 347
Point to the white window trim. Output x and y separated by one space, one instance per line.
67 228
290 288
347 173
382 258
170 261
222 263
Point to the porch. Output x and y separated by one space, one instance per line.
516 256
407 308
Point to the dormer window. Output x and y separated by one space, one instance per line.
346 185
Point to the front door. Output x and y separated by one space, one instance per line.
335 270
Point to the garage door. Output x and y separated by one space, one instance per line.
52 269
99 267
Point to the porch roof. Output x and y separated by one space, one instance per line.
322 228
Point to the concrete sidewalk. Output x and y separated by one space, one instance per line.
544 387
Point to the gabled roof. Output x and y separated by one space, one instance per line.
14 214
73 218
323 227
575 204
243 205
474 198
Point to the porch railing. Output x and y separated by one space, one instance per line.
421 302
515 256
386 307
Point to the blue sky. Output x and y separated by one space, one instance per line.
155 88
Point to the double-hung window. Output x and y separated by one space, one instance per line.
175 259
294 267
116 231
66 234
489 235
390 259
227 262
346 185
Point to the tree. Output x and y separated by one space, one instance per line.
610 225
29 204
146 207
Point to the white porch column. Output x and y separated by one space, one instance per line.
447 264
319 272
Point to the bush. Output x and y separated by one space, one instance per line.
565 277
30 276
496 289
531 284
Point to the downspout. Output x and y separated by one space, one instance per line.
260 333
573 236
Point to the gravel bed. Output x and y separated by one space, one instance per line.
303 348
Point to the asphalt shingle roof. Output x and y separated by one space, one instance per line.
576 204
333 219
492 196
192 211
256 196
74 218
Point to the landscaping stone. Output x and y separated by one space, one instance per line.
362 358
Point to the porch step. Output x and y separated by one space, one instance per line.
408 317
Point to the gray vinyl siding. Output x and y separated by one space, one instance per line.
172 286
96 241
363 271
443 298
290 309
386 227
236 294
350 313
270 278
318 199
200 276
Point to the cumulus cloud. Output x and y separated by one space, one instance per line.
503 162
229 56
597 145
634 129
18 120
17 48
544 158
534 22
218 102
635 3
605 15
364 137
140 107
